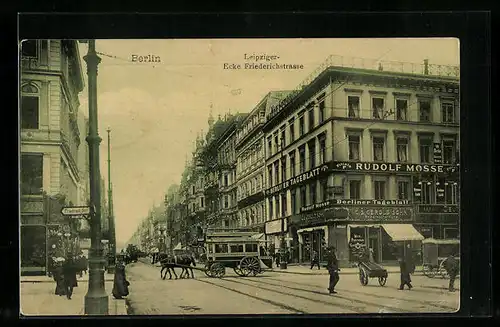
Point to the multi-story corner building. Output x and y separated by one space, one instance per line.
50 80
358 156
250 165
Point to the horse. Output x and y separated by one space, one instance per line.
169 262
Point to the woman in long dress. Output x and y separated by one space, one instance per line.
120 282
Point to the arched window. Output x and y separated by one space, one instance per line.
30 111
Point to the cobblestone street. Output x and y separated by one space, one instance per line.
281 293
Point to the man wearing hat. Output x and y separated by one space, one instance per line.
333 269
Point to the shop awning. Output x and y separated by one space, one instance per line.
178 246
258 236
310 229
402 232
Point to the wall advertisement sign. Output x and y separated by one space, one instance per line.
438 208
393 167
275 226
384 214
299 179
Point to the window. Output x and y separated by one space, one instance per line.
449 152
401 109
193 189
312 190
29 107
303 196
301 126
202 200
403 190
277 206
277 144
269 146
283 139
353 147
293 194
425 110
29 49
353 106
378 108
312 154
236 248
354 189
402 149
283 205
250 247
427 190
291 155
322 149
283 169
270 169
271 207
451 192
321 108
311 117
252 187
302 159
378 148
425 149
31 174
226 201
324 190
221 248
276 171
291 128
379 190
448 112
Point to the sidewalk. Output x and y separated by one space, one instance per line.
305 270
47 279
37 298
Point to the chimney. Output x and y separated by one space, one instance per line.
426 66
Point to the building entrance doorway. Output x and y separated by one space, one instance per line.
313 241
33 250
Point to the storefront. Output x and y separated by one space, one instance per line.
275 231
438 221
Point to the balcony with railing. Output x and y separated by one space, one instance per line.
375 65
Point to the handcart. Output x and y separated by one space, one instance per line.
371 270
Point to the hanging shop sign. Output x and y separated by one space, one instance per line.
299 179
393 167
385 214
438 208
437 153
276 226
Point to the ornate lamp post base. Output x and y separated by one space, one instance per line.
96 299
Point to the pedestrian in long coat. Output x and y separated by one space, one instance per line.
70 270
120 282
315 259
452 268
405 274
58 275
333 270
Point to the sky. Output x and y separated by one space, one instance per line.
156 109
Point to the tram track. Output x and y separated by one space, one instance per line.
277 304
356 308
428 303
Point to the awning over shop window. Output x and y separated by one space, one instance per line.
402 232
258 236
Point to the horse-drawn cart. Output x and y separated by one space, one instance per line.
369 269
238 250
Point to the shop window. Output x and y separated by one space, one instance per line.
401 109
448 112
424 107
449 152
291 129
425 145
312 154
302 159
378 108
378 148
355 189
379 190
31 174
303 197
354 142
291 156
33 249
451 233
390 249
353 106
403 190
402 149
236 248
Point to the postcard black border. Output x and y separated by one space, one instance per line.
473 30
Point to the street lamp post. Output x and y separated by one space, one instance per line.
96 299
283 263
111 218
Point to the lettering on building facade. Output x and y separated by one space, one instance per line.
438 208
298 179
394 167
383 214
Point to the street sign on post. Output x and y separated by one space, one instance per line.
76 211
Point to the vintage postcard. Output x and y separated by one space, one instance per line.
239 176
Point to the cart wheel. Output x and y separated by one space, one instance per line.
429 272
250 266
382 280
363 278
217 270
238 271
